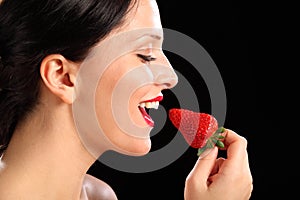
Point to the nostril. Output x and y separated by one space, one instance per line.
164 76
166 80
171 82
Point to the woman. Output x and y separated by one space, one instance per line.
49 51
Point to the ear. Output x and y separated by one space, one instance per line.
59 76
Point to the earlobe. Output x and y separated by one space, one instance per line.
58 75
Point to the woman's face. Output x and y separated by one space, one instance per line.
133 80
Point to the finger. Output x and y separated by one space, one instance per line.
215 170
237 163
217 166
203 167
236 146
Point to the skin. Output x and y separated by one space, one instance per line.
220 178
41 158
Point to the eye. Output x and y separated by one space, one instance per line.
146 58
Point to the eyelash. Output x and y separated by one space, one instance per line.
146 58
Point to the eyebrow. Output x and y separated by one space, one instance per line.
157 37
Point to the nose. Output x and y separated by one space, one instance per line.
163 72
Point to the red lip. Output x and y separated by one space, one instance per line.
145 115
159 98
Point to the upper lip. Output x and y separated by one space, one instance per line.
158 98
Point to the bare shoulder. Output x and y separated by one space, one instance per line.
95 189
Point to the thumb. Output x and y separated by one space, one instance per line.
204 166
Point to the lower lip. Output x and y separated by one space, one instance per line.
147 117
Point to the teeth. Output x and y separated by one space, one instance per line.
148 105
142 105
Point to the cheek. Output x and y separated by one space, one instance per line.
120 137
103 102
116 105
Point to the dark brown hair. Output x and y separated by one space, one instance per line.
33 29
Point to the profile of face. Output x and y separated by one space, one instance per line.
120 80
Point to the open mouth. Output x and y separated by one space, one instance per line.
145 106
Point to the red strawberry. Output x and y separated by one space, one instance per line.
200 130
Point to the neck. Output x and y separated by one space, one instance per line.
45 157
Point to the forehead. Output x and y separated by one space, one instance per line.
144 14
141 25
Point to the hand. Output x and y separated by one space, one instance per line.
219 178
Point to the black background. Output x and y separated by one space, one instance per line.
254 47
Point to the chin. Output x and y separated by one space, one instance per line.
140 147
